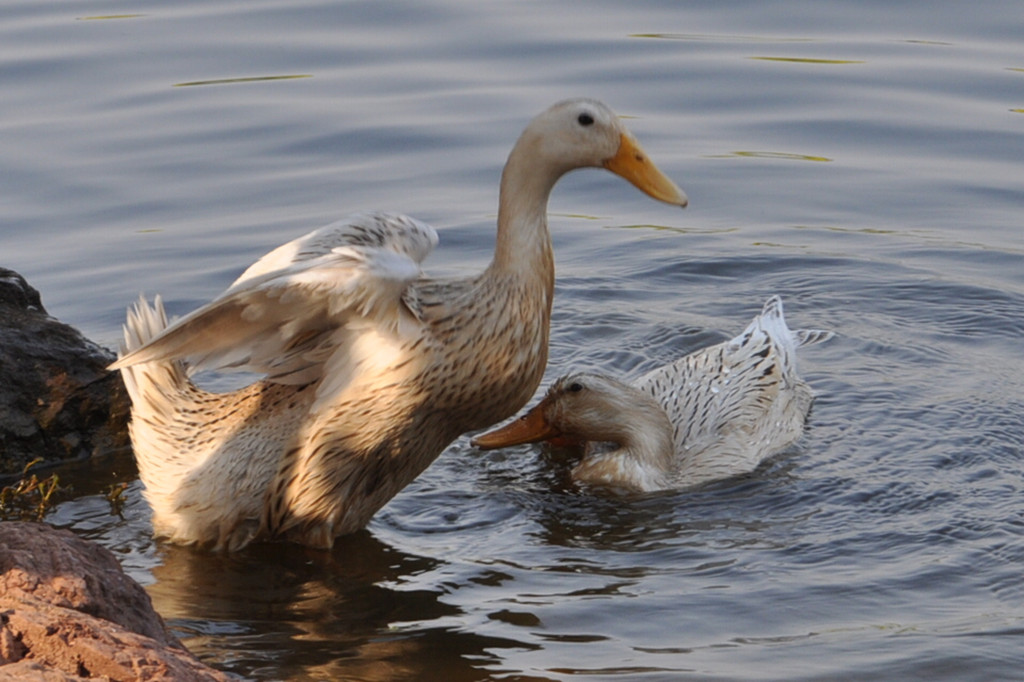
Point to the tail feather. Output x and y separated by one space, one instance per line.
809 337
150 383
770 327
773 322
143 324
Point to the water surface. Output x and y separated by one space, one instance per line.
861 159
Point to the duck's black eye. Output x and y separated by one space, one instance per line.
585 119
575 387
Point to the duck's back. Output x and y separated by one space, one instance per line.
738 402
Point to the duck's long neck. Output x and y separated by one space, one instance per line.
508 310
523 242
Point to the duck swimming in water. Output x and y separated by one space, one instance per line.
715 413
371 369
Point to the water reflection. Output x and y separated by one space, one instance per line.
700 37
787 156
107 17
244 79
808 60
307 614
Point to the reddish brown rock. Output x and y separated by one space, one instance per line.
68 612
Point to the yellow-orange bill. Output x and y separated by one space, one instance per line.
632 163
529 428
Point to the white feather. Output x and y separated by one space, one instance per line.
285 313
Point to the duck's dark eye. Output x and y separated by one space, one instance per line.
575 387
585 119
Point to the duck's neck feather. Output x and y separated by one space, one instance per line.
523 241
644 457
646 437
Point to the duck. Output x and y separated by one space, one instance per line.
367 367
713 414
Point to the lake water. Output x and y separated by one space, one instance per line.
864 160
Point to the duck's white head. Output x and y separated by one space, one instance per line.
584 133
583 406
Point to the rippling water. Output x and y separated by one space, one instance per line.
862 159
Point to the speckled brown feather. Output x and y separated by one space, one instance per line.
417 418
371 370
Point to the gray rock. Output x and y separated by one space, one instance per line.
57 399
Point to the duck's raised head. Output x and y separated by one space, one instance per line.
582 133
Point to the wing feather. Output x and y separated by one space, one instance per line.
290 309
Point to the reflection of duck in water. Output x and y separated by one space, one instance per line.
715 413
371 370
323 602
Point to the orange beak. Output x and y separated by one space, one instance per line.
529 428
631 163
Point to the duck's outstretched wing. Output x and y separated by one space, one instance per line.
286 314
